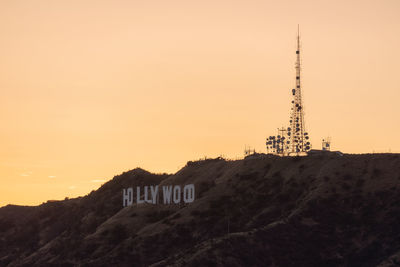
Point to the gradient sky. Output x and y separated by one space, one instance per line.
92 88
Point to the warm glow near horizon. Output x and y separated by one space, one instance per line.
89 89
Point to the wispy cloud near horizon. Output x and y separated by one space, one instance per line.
98 181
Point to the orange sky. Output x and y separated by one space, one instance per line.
89 89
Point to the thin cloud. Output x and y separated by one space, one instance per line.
98 181
72 187
52 176
25 174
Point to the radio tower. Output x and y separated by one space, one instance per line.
294 140
297 135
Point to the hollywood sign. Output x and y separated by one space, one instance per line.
151 194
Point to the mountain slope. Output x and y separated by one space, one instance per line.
321 210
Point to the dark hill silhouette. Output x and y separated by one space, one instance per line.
320 210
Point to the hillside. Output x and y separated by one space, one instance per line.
320 210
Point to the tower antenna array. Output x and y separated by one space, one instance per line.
295 139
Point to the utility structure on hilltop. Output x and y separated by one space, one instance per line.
293 140
326 144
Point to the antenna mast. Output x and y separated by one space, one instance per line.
295 140
298 137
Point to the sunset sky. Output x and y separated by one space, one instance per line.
92 88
